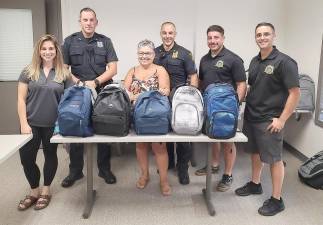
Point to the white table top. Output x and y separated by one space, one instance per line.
10 143
132 137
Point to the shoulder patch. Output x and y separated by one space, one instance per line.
190 55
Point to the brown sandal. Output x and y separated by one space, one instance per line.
142 182
42 202
25 204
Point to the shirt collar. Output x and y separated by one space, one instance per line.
273 54
41 67
81 37
221 53
174 48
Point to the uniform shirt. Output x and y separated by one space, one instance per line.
88 57
178 62
269 81
225 67
43 97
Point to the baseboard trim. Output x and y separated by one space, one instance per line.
295 152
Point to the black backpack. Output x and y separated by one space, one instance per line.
111 112
311 172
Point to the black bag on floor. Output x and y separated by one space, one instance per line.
111 112
311 172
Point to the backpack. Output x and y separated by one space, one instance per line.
187 111
307 98
311 172
151 113
74 112
111 112
221 111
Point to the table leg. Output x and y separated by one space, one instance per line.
90 193
207 191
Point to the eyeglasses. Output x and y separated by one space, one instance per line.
141 54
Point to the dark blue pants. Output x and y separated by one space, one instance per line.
184 153
77 161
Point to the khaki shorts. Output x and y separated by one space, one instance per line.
268 145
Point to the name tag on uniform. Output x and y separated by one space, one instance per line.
100 44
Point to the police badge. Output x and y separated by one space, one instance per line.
219 64
269 69
175 55
100 44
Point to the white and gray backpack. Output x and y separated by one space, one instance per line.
187 111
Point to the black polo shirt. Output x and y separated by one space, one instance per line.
225 67
269 81
178 62
88 57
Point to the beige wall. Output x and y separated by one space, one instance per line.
304 30
299 34
9 123
238 19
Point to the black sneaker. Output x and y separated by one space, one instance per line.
70 179
225 183
271 207
248 189
183 176
108 176
202 171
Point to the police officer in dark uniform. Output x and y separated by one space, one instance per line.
93 61
181 68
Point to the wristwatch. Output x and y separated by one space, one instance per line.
97 82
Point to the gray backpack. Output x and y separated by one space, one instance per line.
187 111
307 99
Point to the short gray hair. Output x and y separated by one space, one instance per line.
146 43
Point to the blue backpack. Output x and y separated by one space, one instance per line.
74 112
222 111
152 113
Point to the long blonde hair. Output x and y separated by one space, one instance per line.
33 69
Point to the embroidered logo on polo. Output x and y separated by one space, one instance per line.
269 69
219 64
175 55
100 44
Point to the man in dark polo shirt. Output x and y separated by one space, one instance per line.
93 61
181 68
221 65
272 97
